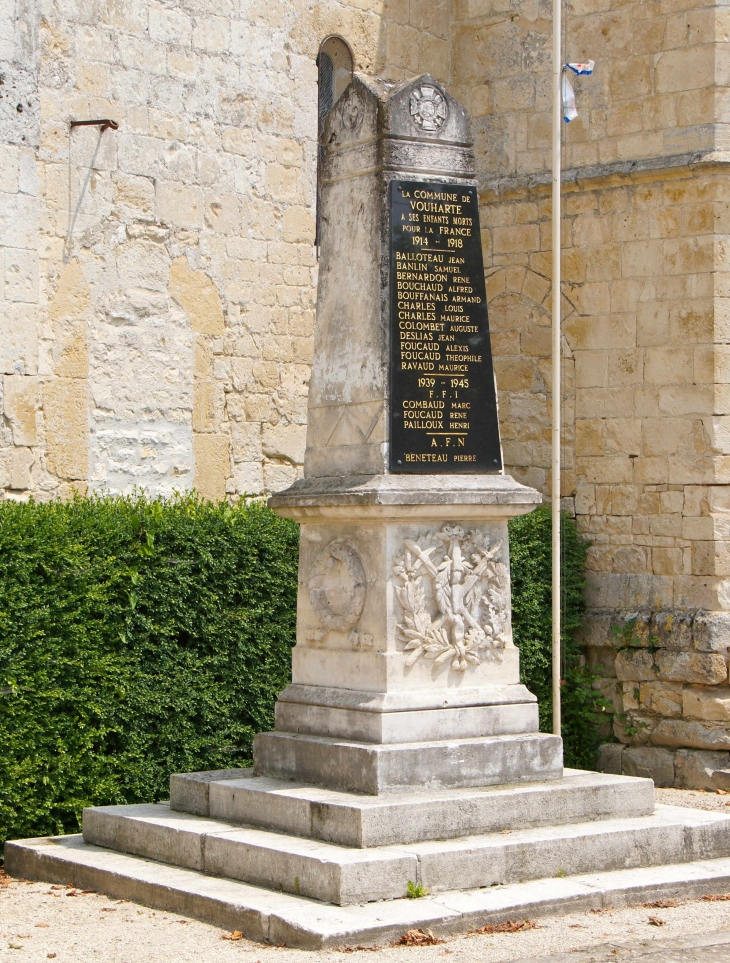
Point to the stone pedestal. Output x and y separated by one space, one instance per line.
405 673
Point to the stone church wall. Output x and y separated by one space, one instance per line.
157 308
157 282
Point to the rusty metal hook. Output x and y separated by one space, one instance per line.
105 124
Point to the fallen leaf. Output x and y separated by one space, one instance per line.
58 887
418 938
655 921
506 832
661 904
235 935
722 792
576 926
715 898
42 926
511 926
50 956
72 892
108 909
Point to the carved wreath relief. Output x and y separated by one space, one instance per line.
468 582
352 111
337 585
428 108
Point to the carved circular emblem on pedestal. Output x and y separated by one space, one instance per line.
352 111
337 585
428 107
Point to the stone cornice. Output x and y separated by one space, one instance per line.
614 174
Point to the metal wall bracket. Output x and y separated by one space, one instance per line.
105 124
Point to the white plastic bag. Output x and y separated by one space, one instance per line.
569 111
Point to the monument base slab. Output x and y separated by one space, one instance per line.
673 853
410 716
345 875
404 767
353 819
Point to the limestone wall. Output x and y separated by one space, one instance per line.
157 305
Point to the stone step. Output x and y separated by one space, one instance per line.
420 715
407 767
344 875
277 918
468 722
351 819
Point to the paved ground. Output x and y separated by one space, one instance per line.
39 922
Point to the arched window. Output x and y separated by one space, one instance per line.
334 64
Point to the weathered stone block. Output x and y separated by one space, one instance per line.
22 460
690 667
634 728
710 704
681 733
659 697
18 338
21 403
609 758
65 411
597 630
197 296
635 665
673 630
695 769
711 631
212 465
651 763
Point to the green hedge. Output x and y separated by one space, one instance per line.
137 638
141 637
530 556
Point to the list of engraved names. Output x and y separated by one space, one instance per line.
443 408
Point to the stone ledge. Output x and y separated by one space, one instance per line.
406 767
279 918
405 496
617 173
351 819
346 875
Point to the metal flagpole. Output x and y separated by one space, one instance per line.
556 352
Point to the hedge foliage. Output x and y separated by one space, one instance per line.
530 540
137 638
142 637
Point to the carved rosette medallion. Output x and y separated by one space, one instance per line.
337 585
352 111
454 592
428 107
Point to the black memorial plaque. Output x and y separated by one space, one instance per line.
443 408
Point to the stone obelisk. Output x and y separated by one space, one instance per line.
405 674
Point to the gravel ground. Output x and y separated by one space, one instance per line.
39 922
718 802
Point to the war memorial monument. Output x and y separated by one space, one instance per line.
406 753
